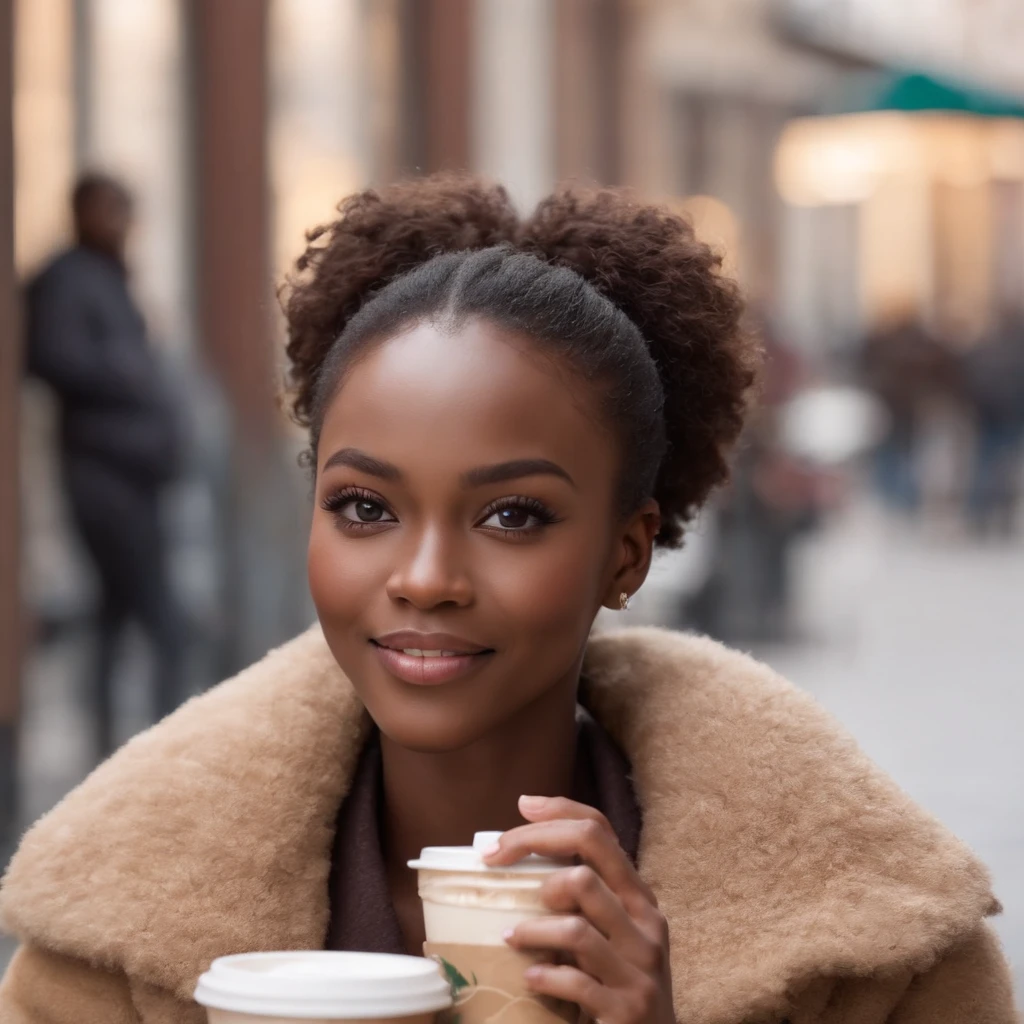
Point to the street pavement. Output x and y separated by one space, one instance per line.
912 637
915 642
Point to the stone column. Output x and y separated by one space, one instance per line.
590 70
435 82
261 531
233 265
11 631
447 37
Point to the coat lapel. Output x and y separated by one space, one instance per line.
777 851
208 834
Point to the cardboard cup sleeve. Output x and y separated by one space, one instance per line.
488 988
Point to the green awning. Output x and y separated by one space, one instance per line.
919 92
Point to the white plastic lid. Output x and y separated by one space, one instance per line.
470 858
324 984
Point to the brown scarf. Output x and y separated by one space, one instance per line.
362 917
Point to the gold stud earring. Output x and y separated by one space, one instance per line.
623 601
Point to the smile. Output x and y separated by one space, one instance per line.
412 652
426 659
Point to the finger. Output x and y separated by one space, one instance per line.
564 839
576 937
581 889
561 981
548 808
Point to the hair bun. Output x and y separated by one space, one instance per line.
650 264
380 235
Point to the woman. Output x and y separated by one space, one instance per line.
505 418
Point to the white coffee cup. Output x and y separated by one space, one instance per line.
468 907
322 987
465 900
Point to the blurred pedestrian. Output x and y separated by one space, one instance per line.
994 382
906 368
771 502
119 437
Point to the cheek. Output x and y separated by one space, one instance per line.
321 569
552 589
338 578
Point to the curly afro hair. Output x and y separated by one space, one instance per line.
622 290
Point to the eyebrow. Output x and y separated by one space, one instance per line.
513 470
356 459
502 472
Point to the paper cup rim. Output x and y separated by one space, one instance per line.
470 859
321 984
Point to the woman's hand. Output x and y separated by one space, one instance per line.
606 919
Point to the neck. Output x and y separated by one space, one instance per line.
441 799
112 253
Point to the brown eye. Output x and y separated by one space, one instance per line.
367 511
355 510
517 516
513 518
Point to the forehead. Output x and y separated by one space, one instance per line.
442 400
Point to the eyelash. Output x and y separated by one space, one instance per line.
537 509
337 500
333 503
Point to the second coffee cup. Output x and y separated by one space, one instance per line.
467 909
322 987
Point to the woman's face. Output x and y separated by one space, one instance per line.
465 504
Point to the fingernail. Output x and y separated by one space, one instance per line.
491 850
534 973
508 934
532 803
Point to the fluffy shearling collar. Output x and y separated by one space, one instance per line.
778 852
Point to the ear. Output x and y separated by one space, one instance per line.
634 550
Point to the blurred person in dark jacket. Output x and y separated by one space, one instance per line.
993 373
119 434
773 499
906 368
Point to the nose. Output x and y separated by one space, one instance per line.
430 573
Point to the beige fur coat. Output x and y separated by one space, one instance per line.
800 884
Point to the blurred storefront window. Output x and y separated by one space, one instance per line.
514 102
133 124
44 169
319 138
966 36
717 225
44 114
938 207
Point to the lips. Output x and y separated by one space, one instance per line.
429 659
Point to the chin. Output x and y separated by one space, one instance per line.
435 730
